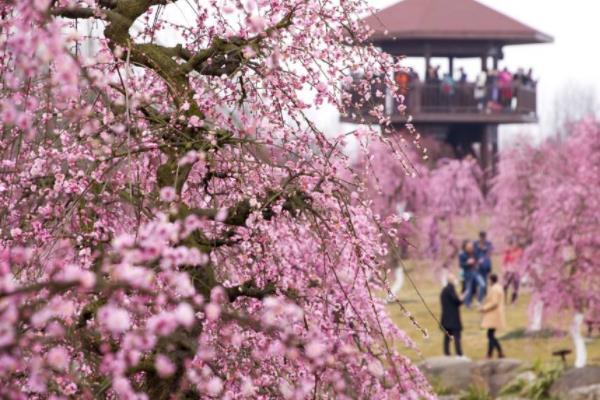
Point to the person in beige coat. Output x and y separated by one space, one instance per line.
493 315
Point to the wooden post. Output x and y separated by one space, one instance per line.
485 150
416 97
486 156
427 53
489 153
495 158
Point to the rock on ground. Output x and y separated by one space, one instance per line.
452 373
456 374
497 373
591 392
575 378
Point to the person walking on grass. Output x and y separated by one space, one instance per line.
510 260
450 321
473 282
493 315
483 253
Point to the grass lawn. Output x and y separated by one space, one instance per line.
473 337
515 344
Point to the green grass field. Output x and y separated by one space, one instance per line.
515 344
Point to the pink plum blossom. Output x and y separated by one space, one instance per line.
164 366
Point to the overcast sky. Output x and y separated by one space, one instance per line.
573 58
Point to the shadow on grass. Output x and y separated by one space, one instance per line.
525 334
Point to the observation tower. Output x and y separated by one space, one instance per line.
465 111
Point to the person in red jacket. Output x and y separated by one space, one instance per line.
510 261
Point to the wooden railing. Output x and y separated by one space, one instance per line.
462 98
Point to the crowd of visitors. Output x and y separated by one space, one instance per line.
491 91
475 261
520 77
497 90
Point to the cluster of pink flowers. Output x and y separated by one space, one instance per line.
171 224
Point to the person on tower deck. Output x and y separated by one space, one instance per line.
472 279
493 90
436 74
528 80
447 89
493 315
483 253
431 75
518 77
448 84
450 321
505 86
414 76
462 76
403 82
480 90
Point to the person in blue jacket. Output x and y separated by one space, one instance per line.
483 254
472 279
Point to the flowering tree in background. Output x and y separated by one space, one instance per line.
171 223
454 190
563 212
566 242
515 193
394 176
435 195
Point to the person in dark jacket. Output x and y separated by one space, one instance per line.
451 322
483 254
473 282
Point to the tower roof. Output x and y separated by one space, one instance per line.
450 20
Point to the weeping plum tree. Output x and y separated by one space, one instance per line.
454 190
172 225
515 192
394 178
566 240
435 195
562 249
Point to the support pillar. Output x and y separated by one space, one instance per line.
488 153
495 157
427 53
484 151
484 63
451 66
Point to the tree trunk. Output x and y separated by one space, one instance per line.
536 315
398 280
580 350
